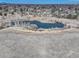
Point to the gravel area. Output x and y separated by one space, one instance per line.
32 45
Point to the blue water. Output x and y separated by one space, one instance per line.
46 25
41 24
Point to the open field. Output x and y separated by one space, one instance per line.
20 44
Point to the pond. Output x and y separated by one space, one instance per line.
42 24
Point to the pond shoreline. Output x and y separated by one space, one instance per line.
19 29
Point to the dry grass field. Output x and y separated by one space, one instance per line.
19 44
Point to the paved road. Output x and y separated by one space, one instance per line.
15 44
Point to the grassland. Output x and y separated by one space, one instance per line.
22 44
